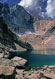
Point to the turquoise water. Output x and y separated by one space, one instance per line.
38 58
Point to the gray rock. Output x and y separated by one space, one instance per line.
16 61
18 71
20 62
1 55
6 56
4 8
17 18
6 62
19 77
7 72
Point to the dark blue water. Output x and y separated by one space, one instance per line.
38 58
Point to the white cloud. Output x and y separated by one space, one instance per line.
33 6
51 8
26 3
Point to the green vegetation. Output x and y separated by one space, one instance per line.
29 71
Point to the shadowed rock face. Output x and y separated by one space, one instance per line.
8 39
4 8
22 22
25 20
17 18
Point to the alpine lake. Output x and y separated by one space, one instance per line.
37 58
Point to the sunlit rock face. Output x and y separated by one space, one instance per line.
43 25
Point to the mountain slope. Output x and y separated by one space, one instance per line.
21 22
43 25
17 18
8 39
41 42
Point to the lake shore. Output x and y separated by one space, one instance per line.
18 68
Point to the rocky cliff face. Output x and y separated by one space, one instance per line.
44 37
4 9
22 22
8 39
43 25
17 18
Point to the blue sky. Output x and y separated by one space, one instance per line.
10 2
44 6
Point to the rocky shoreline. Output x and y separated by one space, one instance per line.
18 68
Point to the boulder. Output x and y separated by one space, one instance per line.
18 71
6 62
17 62
34 76
20 77
7 72
1 55
20 62
6 55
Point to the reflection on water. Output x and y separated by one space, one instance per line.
38 58
45 52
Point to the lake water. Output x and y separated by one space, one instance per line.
38 58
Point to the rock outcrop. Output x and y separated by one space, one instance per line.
44 36
10 72
17 18
8 39
6 62
43 25
20 62
9 68
7 72
16 62
4 8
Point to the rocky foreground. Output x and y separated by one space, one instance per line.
18 68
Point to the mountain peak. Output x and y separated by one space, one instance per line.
4 8
17 18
